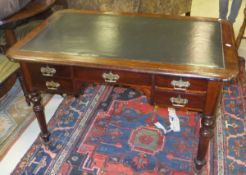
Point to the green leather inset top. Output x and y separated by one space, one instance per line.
174 41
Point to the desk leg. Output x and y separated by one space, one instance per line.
206 133
39 112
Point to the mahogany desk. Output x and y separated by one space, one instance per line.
178 62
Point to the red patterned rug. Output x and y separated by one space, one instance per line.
110 130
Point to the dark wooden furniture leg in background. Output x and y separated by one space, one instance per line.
20 77
187 14
10 37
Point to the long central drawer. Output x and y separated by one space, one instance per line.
112 76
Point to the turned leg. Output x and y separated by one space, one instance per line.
39 112
206 133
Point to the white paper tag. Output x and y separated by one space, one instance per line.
160 126
174 120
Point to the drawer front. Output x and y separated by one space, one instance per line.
95 75
53 84
49 70
178 99
181 83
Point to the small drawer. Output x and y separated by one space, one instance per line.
180 100
49 70
96 75
54 84
181 83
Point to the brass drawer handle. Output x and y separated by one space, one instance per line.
180 84
178 101
48 71
110 77
51 85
